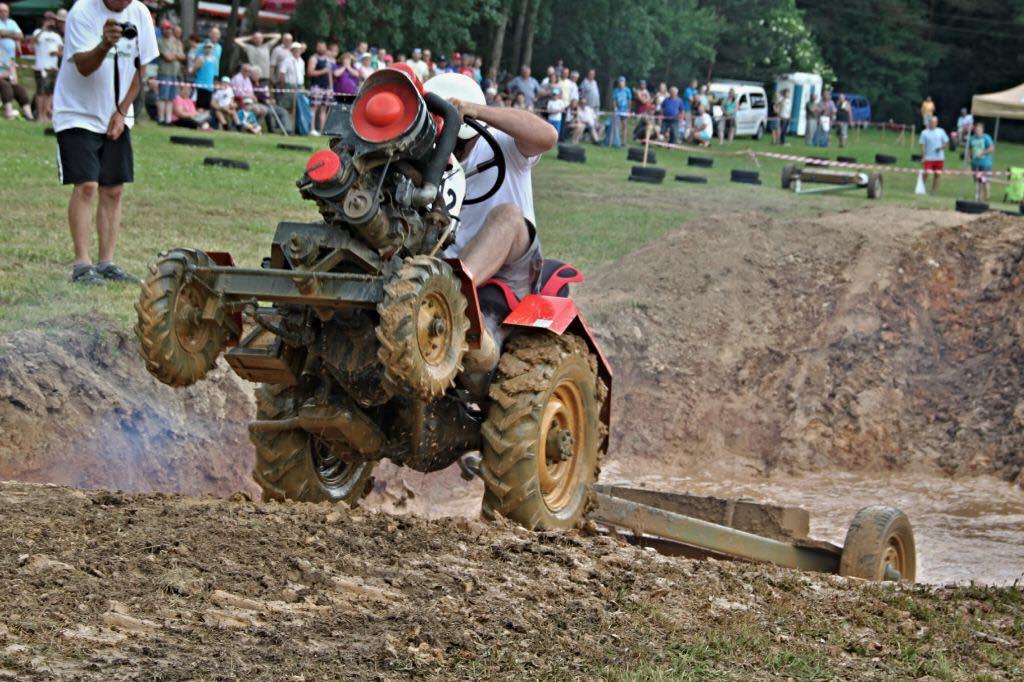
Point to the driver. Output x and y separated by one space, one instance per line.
497 238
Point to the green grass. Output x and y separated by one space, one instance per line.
588 214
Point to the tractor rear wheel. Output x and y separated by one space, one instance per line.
542 441
422 330
297 465
178 345
879 546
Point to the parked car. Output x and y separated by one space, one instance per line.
860 106
751 105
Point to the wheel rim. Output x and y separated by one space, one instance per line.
333 471
192 332
434 328
562 439
894 558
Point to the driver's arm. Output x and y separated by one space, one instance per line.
533 135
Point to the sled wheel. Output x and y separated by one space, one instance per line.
879 546
179 347
297 465
542 440
875 186
885 159
422 330
789 173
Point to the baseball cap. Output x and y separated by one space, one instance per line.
225 79
62 15
247 100
165 24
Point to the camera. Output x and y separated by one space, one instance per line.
129 31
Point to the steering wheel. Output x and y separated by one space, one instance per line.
497 161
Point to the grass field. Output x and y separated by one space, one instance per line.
588 214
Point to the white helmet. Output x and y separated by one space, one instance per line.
457 86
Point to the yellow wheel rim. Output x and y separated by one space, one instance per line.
562 440
192 332
894 555
434 328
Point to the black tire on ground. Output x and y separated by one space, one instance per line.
296 465
637 154
915 158
645 178
846 159
885 159
192 141
695 179
543 439
968 206
179 348
700 161
422 330
572 152
226 163
648 174
875 186
737 175
294 147
747 181
879 546
789 173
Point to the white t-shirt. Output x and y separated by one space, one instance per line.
516 190
223 98
420 68
787 108
292 69
88 101
555 108
705 127
47 42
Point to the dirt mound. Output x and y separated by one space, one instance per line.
77 407
887 338
107 586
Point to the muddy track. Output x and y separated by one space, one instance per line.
106 586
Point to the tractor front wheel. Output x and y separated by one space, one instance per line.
542 440
177 342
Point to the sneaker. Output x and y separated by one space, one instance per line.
87 276
112 272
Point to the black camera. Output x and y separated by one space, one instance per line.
129 31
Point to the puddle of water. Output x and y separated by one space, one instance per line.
965 529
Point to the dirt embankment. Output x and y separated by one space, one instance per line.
107 586
888 338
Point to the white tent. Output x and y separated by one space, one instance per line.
997 105
801 86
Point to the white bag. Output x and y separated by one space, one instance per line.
825 124
920 189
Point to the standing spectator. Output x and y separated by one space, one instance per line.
365 67
48 44
10 34
442 65
590 93
775 122
191 55
223 104
218 50
981 148
428 59
689 93
844 117
12 91
671 110
785 116
93 121
526 85
257 47
205 73
644 109
520 102
826 117
622 96
964 124
927 110
346 76
934 141
555 108
321 92
812 112
168 72
728 128
661 95
418 65
290 77
279 54
572 85
362 47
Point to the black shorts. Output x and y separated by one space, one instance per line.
85 156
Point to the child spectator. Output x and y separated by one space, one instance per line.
981 148
223 104
48 45
245 118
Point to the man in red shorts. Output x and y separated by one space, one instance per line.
934 141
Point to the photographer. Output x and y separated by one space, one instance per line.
105 41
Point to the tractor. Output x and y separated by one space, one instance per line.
357 328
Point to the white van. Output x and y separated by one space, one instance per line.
751 106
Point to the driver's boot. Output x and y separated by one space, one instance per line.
478 365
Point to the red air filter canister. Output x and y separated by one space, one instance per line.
388 106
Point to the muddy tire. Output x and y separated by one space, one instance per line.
542 440
297 465
422 329
572 152
970 206
700 161
875 186
637 154
879 546
178 347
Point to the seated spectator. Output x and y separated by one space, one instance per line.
242 84
223 104
183 110
700 133
245 118
276 118
11 90
520 102
365 67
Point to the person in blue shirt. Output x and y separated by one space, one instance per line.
981 148
671 109
688 95
622 95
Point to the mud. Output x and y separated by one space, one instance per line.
108 586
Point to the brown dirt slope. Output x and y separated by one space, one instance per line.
887 338
77 407
106 586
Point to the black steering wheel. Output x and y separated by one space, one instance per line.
497 161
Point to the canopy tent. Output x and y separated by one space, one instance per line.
1005 104
31 8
